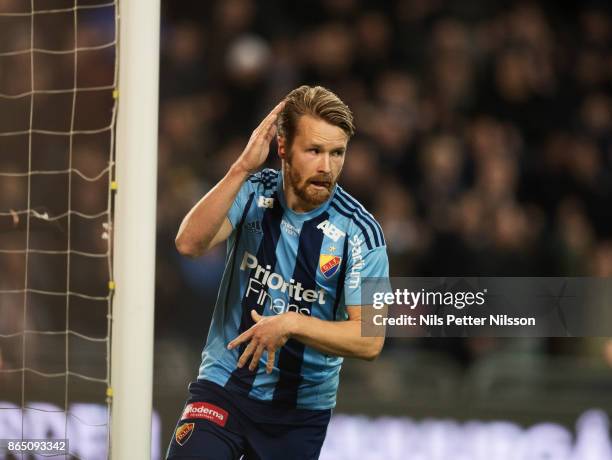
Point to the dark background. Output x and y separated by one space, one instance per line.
483 147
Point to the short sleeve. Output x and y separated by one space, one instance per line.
362 264
235 213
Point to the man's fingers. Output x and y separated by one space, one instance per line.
270 134
276 110
256 357
270 361
247 352
264 126
256 316
263 131
246 335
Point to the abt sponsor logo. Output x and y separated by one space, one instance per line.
263 279
206 411
358 263
330 230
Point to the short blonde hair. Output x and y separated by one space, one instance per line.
316 101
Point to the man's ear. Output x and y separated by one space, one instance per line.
282 152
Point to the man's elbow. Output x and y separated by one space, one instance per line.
373 349
186 248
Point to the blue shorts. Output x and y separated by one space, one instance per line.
218 425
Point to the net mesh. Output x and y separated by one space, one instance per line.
58 79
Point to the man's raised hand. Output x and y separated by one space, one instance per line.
258 147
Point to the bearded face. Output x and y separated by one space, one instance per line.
313 161
313 190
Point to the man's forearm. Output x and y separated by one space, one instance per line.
205 219
201 227
339 338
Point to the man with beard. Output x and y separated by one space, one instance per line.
289 305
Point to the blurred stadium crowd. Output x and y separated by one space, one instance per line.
483 139
72 130
484 135
483 147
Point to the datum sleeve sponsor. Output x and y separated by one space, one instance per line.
363 264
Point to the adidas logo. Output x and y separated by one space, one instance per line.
254 227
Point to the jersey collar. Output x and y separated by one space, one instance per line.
302 216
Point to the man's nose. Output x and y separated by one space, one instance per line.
324 162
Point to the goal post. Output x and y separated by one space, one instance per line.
134 229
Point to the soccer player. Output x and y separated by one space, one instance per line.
289 306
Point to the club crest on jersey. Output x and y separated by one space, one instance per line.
328 264
183 433
265 202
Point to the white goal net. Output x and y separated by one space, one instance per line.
58 99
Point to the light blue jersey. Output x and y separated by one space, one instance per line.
278 261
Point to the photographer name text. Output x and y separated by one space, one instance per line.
453 320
